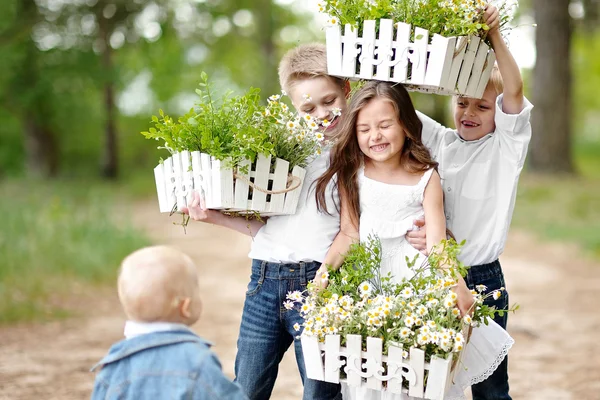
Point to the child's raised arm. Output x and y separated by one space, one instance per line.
512 102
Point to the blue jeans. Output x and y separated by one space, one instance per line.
490 275
267 331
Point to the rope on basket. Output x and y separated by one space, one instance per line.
293 183
463 43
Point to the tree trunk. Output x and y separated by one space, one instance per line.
110 158
41 150
266 31
550 149
592 14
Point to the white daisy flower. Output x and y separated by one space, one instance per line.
289 305
365 288
497 294
296 327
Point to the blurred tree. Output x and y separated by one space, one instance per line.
550 149
591 17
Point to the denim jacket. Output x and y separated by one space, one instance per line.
163 365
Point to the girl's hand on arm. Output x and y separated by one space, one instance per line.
417 237
198 212
512 102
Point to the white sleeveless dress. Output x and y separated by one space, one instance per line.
389 211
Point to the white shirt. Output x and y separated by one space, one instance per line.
305 235
136 328
480 180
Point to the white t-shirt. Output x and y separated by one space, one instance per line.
305 235
480 180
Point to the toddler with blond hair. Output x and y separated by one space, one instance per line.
161 357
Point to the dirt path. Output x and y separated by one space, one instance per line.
556 355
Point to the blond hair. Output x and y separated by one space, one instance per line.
153 280
304 62
496 81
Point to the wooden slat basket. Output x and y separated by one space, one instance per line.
257 189
451 66
329 362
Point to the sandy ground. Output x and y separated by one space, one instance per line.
556 355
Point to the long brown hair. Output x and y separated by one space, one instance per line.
346 156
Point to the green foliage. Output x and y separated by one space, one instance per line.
54 238
235 128
446 18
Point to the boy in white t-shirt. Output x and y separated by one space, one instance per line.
480 163
287 251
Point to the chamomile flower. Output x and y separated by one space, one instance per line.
336 111
405 332
481 288
296 327
467 319
497 294
365 288
306 97
289 305
319 136
296 295
333 21
407 293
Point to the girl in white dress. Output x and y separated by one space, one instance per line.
386 179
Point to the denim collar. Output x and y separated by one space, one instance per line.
136 344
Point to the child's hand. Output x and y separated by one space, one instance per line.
416 237
492 19
198 212
465 298
321 278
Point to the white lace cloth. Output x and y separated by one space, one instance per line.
389 211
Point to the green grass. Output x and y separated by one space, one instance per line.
53 237
564 208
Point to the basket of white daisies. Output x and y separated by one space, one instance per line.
402 337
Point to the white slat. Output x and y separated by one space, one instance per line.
461 48
333 37
261 179
350 52
395 356
207 181
402 46
353 347
439 61
291 197
312 358
439 375
215 184
159 178
417 362
187 184
170 183
332 362
384 49
241 186
374 353
480 57
419 56
279 183
226 173
178 173
485 76
197 176
467 65
366 57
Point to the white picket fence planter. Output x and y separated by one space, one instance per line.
326 361
183 172
455 65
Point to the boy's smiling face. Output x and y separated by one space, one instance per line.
318 97
474 118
